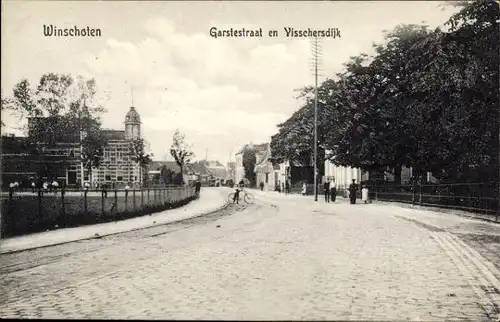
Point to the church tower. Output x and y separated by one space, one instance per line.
132 124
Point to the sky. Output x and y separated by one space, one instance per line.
221 93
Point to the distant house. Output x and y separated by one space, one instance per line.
155 167
265 171
197 171
216 171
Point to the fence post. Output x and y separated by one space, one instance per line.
115 206
102 202
420 193
413 192
133 196
126 200
40 206
63 210
85 199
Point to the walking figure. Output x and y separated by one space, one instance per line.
197 188
304 188
287 187
364 194
333 192
326 188
261 184
55 185
353 189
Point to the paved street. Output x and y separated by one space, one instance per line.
284 257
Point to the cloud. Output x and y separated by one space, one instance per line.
219 87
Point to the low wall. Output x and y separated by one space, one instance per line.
24 213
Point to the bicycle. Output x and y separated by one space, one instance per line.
247 197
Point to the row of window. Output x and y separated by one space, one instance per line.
112 178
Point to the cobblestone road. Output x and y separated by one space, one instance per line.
281 258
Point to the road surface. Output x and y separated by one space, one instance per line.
282 258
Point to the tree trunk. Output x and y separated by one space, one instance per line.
182 173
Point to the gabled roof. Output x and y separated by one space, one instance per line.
197 168
114 134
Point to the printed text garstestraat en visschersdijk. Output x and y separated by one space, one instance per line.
53 31
289 33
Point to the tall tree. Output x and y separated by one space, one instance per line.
249 161
69 110
181 151
140 156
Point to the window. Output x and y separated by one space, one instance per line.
119 178
131 178
108 178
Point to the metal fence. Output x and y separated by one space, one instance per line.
473 197
28 211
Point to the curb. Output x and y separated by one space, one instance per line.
225 205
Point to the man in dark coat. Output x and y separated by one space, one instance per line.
353 189
326 188
261 186
197 188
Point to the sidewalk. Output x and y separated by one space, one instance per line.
341 199
211 199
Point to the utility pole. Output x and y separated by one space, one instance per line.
316 52
498 179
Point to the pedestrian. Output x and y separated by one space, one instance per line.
353 189
261 184
45 186
364 194
197 188
104 191
33 186
304 188
333 192
326 188
287 187
12 187
55 185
